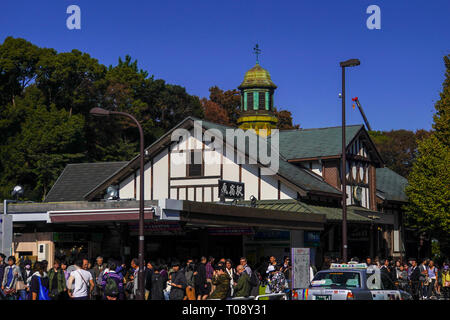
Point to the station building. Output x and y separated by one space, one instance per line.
297 205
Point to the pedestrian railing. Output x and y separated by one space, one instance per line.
244 298
274 296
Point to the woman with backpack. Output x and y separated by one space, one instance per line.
112 283
39 283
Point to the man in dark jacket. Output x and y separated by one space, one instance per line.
415 279
242 287
148 279
98 274
201 285
158 284
178 283
2 271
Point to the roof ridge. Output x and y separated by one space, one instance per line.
323 128
99 162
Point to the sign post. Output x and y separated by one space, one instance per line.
6 229
300 272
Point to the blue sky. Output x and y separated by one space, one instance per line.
198 44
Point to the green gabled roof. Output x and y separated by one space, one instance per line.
391 184
77 178
320 142
290 205
283 205
297 175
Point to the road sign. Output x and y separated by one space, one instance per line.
6 229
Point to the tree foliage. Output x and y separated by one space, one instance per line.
398 148
45 98
428 190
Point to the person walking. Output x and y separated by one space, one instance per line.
276 280
423 282
415 280
242 286
178 283
39 284
158 283
221 281
57 281
432 279
232 274
81 283
64 268
209 273
403 278
446 282
189 271
112 282
11 275
2 272
97 271
201 285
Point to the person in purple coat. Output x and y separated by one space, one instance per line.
111 273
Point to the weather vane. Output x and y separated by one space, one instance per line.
257 51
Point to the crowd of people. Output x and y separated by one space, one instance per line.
191 279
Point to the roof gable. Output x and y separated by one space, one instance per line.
319 142
391 184
75 179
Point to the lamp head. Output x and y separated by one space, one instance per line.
17 192
350 63
99 112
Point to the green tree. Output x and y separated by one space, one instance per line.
45 98
428 190
49 139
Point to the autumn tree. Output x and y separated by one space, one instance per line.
215 113
285 120
229 100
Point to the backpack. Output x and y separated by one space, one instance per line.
43 291
254 281
111 287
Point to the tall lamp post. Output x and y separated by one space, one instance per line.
344 64
104 112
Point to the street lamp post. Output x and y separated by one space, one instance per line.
104 112
344 64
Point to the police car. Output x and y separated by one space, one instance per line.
353 281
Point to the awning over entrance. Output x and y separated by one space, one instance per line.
333 214
244 215
191 212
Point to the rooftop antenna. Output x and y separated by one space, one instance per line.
257 52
